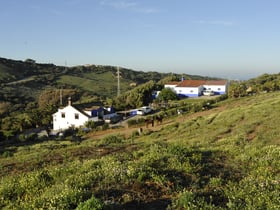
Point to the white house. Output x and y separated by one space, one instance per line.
195 88
70 116
219 87
189 88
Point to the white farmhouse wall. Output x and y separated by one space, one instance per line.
68 117
218 89
194 88
189 91
172 87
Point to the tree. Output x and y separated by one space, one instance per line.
22 121
7 127
139 96
237 90
167 94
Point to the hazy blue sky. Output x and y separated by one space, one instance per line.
235 39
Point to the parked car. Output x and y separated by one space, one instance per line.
144 110
113 118
208 92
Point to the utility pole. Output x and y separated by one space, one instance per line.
60 97
118 76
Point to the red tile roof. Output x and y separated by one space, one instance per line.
191 83
216 82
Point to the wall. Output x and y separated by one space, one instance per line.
218 89
60 123
189 91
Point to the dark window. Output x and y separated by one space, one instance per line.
76 116
63 114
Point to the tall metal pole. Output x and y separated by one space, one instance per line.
118 76
60 97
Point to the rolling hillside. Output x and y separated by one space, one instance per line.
24 82
94 79
223 158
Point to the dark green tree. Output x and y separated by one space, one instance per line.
167 94
139 96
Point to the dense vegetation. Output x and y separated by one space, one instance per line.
223 158
221 153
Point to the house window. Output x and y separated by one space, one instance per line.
62 114
76 116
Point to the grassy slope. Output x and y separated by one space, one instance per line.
101 84
224 157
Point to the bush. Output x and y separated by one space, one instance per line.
111 139
7 154
27 137
91 204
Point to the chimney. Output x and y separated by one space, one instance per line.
69 101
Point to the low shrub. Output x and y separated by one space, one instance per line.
111 139
91 204
27 137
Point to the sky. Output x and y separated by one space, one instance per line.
232 39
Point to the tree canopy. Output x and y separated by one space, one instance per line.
167 94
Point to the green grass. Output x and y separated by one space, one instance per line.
101 84
224 158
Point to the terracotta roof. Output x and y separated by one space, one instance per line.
191 83
216 82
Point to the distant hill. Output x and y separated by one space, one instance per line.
26 80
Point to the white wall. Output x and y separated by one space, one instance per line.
61 123
221 89
189 91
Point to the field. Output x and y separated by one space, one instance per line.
223 158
